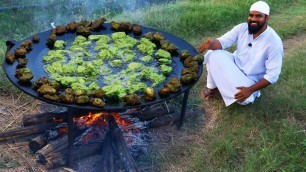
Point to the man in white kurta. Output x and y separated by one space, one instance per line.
254 65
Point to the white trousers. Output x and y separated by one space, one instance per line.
223 73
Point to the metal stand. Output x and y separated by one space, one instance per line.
183 109
70 135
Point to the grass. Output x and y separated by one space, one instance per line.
266 136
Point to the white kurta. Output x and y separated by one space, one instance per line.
248 64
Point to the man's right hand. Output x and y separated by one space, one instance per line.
204 46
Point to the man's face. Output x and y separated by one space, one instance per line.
256 21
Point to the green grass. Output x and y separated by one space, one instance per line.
266 136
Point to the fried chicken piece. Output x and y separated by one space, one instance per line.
137 30
114 25
24 75
184 54
51 40
81 30
97 102
22 62
9 57
199 58
41 81
27 44
71 27
188 78
35 39
46 89
149 94
20 52
100 93
52 97
66 98
164 92
82 100
132 99
125 27
97 24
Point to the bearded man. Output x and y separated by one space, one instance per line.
255 64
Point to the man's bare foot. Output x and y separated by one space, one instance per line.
208 93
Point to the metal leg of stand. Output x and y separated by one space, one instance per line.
183 109
70 136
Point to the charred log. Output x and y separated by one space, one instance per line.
121 147
56 153
43 118
26 131
38 142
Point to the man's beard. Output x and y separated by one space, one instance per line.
255 29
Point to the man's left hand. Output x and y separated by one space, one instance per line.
243 94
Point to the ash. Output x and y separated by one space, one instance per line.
136 137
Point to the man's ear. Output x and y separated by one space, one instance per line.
267 18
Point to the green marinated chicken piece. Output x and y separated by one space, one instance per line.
162 54
59 44
166 70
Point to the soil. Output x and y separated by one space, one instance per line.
15 155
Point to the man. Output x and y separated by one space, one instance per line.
254 65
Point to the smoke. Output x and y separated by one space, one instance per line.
62 12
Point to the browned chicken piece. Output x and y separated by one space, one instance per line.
97 102
9 57
24 75
149 94
97 24
125 27
41 81
81 30
46 89
114 25
137 31
100 93
51 40
184 54
71 27
52 97
22 62
82 100
188 78
27 44
20 52
66 98
35 39
164 92
132 99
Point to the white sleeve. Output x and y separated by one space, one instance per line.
230 37
274 64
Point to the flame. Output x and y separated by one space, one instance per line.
63 130
91 119
96 125
120 121
60 120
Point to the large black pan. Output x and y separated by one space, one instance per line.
36 64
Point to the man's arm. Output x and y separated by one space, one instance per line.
210 45
246 92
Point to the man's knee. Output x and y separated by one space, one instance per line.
217 55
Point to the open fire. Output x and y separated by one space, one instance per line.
116 138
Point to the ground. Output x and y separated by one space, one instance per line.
15 156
